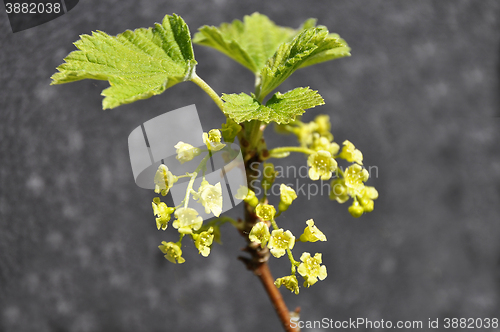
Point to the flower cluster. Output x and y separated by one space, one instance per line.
316 141
352 185
280 242
187 221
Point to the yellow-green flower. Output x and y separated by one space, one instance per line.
290 282
321 165
339 191
305 133
172 252
312 233
322 143
186 152
287 196
164 180
265 211
369 192
210 197
247 195
356 210
212 140
354 178
187 220
260 233
204 241
163 212
280 241
311 268
367 195
322 122
350 153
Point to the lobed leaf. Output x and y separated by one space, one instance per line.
138 64
251 42
281 108
311 46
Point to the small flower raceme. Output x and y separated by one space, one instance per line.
317 142
352 185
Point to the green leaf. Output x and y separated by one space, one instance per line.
241 107
138 64
251 42
340 51
311 46
281 108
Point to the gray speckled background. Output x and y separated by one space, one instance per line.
419 97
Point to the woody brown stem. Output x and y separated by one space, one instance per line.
258 265
274 294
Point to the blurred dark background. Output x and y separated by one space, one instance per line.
419 97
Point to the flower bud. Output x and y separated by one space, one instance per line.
287 195
356 210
